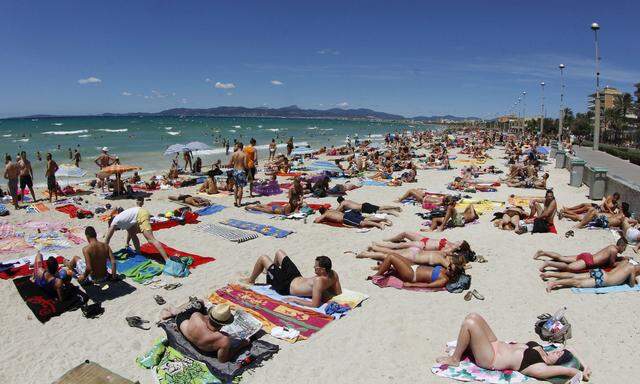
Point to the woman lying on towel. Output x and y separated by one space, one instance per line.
415 255
410 239
532 182
509 219
452 218
623 273
460 184
296 194
420 276
194 201
420 195
477 338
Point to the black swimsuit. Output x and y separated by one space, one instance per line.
530 356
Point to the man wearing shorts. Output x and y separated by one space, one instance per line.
135 220
252 162
52 168
285 278
604 258
367 208
239 163
351 218
12 173
26 174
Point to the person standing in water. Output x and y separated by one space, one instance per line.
272 149
50 173
76 157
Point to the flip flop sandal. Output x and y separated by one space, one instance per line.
569 234
481 259
468 296
137 322
477 295
159 300
171 287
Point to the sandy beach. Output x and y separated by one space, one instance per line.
394 336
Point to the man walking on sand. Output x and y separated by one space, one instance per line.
50 173
12 173
252 162
239 163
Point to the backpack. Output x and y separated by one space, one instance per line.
462 283
557 336
176 267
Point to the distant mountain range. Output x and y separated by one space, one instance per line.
292 111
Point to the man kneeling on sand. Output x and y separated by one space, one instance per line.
285 278
93 267
202 327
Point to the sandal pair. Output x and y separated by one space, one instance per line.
137 322
473 293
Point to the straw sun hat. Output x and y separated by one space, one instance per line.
221 315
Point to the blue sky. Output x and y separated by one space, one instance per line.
412 58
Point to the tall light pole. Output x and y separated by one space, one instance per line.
561 116
524 110
596 129
541 109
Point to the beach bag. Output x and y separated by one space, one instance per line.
540 226
463 283
175 267
555 334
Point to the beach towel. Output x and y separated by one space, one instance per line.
136 266
13 245
150 250
248 358
393 282
210 210
73 211
189 218
373 183
267 189
21 267
612 289
234 235
480 206
266 230
522 201
171 366
48 241
44 306
37 208
7 230
270 312
91 373
220 194
42 225
314 206
290 174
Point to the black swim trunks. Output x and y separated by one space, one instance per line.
353 218
251 173
51 183
369 208
280 277
195 307
26 181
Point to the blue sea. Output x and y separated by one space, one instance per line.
142 140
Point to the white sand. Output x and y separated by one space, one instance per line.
394 337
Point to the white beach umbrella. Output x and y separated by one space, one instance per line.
197 146
175 148
70 170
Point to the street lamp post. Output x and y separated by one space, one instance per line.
524 110
596 129
541 109
561 116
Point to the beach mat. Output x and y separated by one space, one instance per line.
314 206
171 367
136 266
270 312
91 373
603 290
13 245
266 230
73 210
150 250
522 201
210 210
48 241
18 268
189 218
248 358
227 233
43 306
393 282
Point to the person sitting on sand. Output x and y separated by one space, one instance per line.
604 258
530 359
535 183
542 212
609 205
367 207
47 276
285 278
209 186
202 328
623 272
194 201
351 218
296 195
93 267
135 220
420 276
452 218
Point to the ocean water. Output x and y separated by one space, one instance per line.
142 140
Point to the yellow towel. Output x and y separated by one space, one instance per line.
522 201
480 206
350 298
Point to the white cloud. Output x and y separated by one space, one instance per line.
125 93
184 100
90 80
158 94
328 51
344 104
220 85
276 82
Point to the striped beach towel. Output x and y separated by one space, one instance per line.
234 235
266 230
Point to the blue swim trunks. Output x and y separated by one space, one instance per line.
240 177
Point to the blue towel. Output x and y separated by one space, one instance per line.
210 210
266 230
374 183
613 289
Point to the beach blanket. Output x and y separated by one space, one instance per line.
73 211
7 230
247 358
272 313
468 161
373 183
480 206
48 241
393 282
210 210
37 208
234 235
314 206
150 250
171 366
522 201
290 174
42 225
612 289
267 189
21 267
266 230
91 373
189 218
136 266
44 306
220 194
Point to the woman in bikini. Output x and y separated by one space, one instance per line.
530 359
511 219
48 278
452 218
420 276
296 194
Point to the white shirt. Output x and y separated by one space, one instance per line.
126 219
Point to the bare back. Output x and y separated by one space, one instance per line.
96 255
197 331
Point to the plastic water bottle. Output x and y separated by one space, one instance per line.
555 319
559 314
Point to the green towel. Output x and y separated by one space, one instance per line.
144 271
